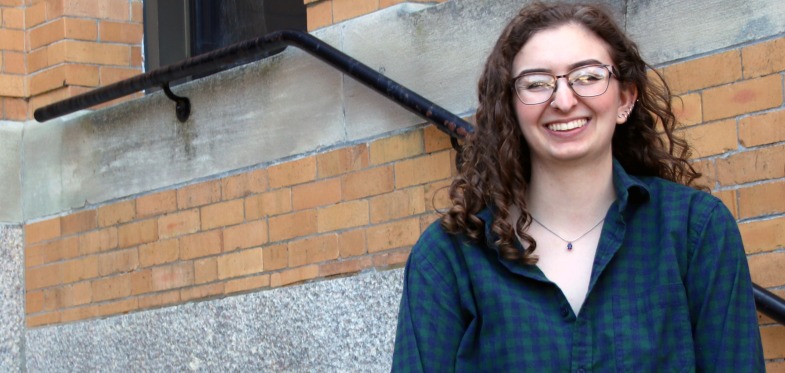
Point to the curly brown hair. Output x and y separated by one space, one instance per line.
496 161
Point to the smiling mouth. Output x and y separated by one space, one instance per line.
573 124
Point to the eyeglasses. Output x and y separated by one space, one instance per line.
586 81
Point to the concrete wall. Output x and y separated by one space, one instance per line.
12 314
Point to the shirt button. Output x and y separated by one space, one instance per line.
565 312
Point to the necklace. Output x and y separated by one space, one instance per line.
569 242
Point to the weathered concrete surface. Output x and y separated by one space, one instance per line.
10 172
343 325
12 301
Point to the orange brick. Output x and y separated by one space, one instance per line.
245 236
137 14
292 172
351 243
344 267
761 200
96 52
121 261
297 224
12 40
392 235
708 172
422 170
141 281
711 139
159 252
117 213
319 15
52 251
13 85
199 194
17 109
41 277
343 160
391 259
313 250
244 184
315 194
34 301
120 32
704 72
136 57
14 63
35 14
156 204
345 9
247 283
76 294
402 146
768 269
437 196
222 214
434 139
178 224
688 109
728 198
764 58
772 337
79 313
42 319
268 204
111 288
201 292
205 270
240 263
56 53
81 75
295 275
81 29
78 222
42 231
79 269
749 166
160 299
388 3
763 235
47 33
118 307
136 233
173 276
200 244
774 366
744 97
343 215
366 183
398 204
105 9
762 129
109 75
48 80
14 18
275 257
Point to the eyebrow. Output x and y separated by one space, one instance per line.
570 67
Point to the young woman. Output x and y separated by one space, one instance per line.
574 242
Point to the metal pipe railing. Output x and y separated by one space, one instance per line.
247 51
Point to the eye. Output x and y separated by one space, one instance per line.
588 75
535 83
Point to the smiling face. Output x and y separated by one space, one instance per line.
569 127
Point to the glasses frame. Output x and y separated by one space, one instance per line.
611 69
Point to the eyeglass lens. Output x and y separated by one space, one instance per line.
586 81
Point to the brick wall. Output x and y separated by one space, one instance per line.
323 13
52 50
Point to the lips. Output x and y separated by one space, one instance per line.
566 126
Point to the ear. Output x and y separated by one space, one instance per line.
628 94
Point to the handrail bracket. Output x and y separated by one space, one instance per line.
182 104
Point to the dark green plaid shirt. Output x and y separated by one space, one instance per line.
670 291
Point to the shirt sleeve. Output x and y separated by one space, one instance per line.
719 289
430 321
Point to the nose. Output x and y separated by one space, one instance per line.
563 97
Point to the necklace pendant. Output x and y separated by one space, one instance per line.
569 245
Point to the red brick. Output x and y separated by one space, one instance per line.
240 263
741 98
156 204
316 194
136 233
393 235
120 261
297 224
398 204
244 184
292 172
173 276
421 170
159 252
199 194
178 224
111 288
343 215
222 214
268 204
275 257
343 160
117 213
245 236
763 235
42 231
200 244
367 183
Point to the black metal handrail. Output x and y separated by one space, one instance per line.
247 51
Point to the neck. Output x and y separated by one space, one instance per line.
570 196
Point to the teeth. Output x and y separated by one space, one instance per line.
567 126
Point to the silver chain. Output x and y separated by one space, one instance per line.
569 242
